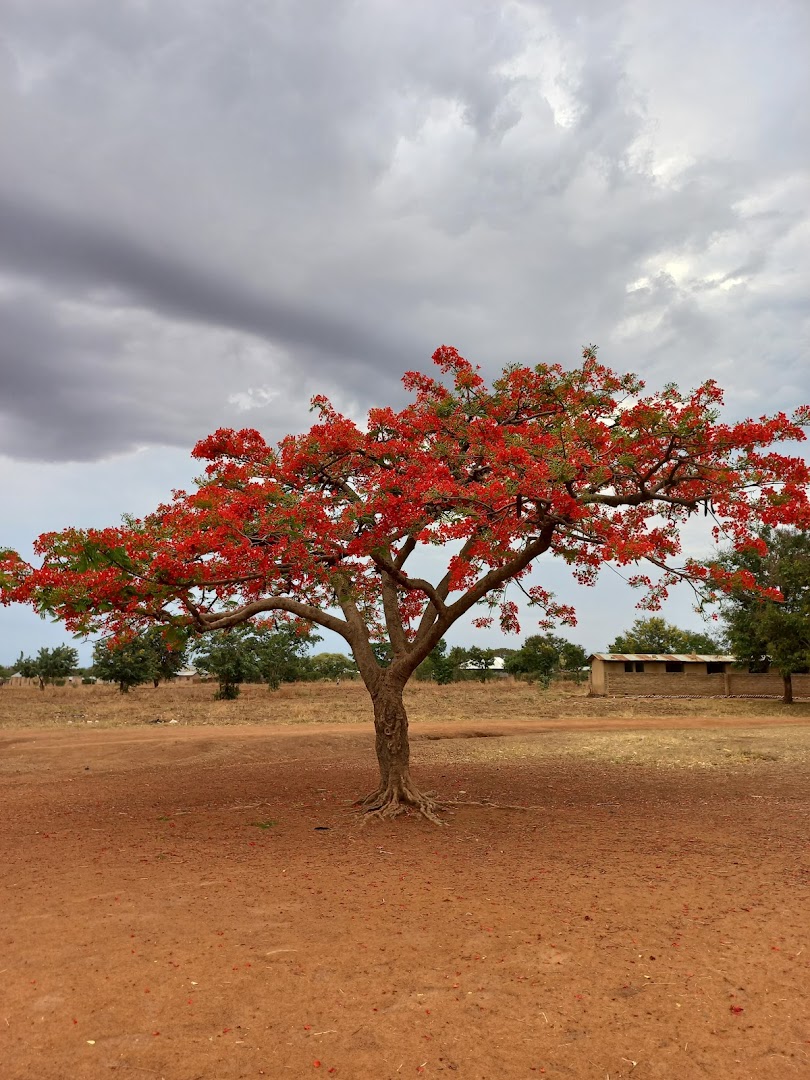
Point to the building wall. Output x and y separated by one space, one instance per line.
619 683
598 678
666 684
741 684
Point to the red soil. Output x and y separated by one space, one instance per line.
199 903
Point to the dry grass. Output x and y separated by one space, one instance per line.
650 732
318 703
701 748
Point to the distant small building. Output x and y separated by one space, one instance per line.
17 680
667 674
683 675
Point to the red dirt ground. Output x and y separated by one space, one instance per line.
198 904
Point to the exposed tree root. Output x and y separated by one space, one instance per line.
400 798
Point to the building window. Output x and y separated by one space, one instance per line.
639 665
715 667
674 666
628 665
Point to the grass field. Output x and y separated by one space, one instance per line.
634 731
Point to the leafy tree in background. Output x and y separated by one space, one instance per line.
470 661
233 656
283 653
576 464
480 661
656 635
573 658
766 628
332 667
441 668
255 652
26 666
56 663
156 654
128 662
538 659
383 653
544 655
168 650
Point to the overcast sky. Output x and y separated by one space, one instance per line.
212 209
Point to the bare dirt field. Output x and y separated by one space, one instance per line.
197 901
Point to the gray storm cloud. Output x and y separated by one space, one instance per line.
210 211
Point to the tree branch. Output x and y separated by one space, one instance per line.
405 552
408 583
499 574
393 620
357 632
225 619
429 635
431 612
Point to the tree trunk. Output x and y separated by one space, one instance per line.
396 793
787 693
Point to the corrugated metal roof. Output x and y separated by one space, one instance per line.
679 657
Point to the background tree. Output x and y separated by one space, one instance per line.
56 663
26 666
573 658
473 661
577 464
383 653
330 666
656 635
234 656
128 662
440 668
168 648
283 653
765 628
479 660
542 656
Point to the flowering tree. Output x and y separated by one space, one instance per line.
324 528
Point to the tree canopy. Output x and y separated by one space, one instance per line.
655 635
579 464
259 651
48 665
233 656
128 662
766 630
544 655
153 655
331 666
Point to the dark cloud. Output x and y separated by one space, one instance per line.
76 254
210 211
